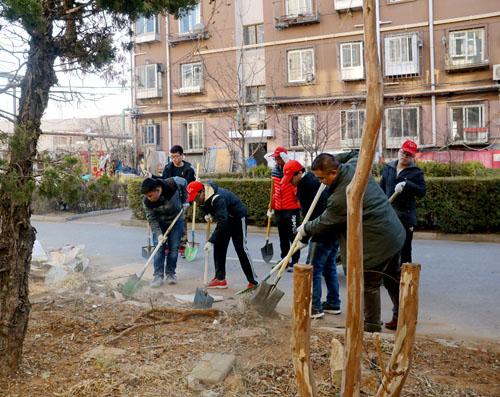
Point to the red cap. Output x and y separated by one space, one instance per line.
278 151
193 189
409 146
290 168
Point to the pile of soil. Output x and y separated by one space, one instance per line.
153 360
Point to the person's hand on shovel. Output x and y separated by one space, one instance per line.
301 232
270 213
208 247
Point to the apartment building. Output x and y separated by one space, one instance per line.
248 75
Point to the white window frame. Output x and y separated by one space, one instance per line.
193 143
401 54
152 134
142 35
193 17
351 139
144 75
294 8
471 136
351 71
348 4
397 141
193 86
304 75
471 50
306 124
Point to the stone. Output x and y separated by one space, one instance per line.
336 362
250 332
213 368
193 383
209 393
103 352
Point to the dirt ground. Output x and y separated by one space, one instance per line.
66 324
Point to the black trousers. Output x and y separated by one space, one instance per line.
287 222
406 250
237 231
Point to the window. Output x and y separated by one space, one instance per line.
301 66
255 93
190 20
303 130
467 47
151 134
348 4
148 81
146 29
351 60
351 126
401 123
401 55
298 7
192 132
253 34
192 76
468 123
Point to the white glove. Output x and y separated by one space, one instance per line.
399 187
208 218
301 232
270 213
301 245
185 206
208 246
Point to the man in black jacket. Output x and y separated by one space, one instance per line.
325 246
402 176
225 208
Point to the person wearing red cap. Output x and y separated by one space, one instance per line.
402 176
230 214
285 206
323 247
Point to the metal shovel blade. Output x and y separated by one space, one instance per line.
267 252
202 300
146 251
266 297
191 251
131 285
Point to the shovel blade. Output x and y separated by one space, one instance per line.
267 252
146 251
131 286
202 300
266 298
191 252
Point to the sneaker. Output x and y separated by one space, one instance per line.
331 309
316 313
215 283
252 285
369 327
289 269
182 252
157 282
393 324
171 279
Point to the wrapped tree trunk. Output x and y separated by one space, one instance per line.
355 193
301 330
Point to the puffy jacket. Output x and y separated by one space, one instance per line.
161 212
405 203
186 171
223 205
284 196
383 233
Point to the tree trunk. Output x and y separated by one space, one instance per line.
16 233
355 192
399 365
301 330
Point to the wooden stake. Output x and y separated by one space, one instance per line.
399 364
301 330
355 192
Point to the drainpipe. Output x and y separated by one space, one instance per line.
133 105
433 77
169 82
377 18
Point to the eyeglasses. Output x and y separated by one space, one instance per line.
406 154
175 156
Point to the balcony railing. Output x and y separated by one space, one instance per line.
194 35
452 65
145 93
286 21
344 5
193 90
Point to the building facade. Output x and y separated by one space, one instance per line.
238 78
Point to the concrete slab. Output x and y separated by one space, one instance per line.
213 368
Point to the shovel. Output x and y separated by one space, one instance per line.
267 250
192 247
267 296
201 298
147 249
132 284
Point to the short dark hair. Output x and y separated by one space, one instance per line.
177 149
325 162
149 184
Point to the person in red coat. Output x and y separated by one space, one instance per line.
285 206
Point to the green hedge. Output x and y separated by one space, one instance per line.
451 205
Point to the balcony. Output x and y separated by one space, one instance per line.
148 93
472 136
460 65
353 73
198 34
352 143
286 21
259 134
185 91
346 5
147 37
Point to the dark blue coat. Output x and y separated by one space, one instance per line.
404 204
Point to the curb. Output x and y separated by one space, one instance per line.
72 217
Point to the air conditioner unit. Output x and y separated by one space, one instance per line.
496 72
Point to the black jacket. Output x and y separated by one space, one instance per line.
186 171
306 191
223 205
404 204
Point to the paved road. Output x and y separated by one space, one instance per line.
459 287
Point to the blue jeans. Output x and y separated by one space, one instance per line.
173 242
324 265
